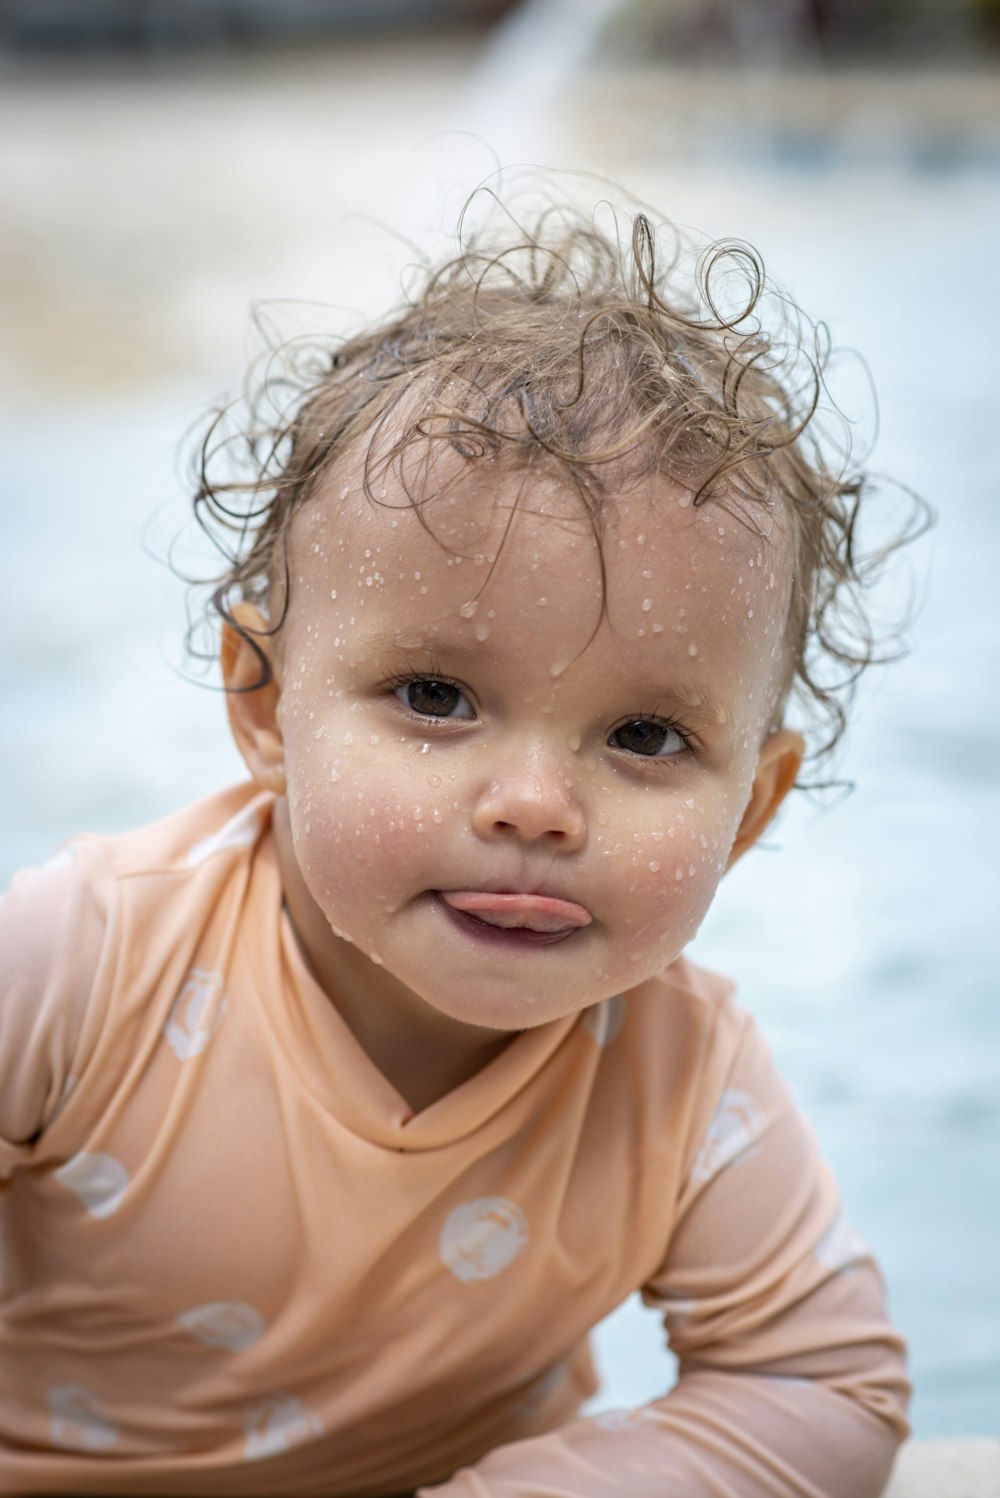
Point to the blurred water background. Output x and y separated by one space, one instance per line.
168 165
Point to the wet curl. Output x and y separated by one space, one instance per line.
594 351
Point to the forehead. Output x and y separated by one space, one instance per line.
466 533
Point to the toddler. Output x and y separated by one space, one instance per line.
338 1108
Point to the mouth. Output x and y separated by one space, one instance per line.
511 917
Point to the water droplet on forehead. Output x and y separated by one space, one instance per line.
692 649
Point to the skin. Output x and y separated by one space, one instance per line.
526 770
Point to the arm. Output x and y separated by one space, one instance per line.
791 1378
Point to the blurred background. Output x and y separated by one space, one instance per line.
166 163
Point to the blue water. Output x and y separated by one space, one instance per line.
866 939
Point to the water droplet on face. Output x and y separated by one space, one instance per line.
436 815
334 773
468 609
692 649
647 604
434 780
425 748
557 668
482 630
654 866
373 738
574 741
333 592
348 738
678 874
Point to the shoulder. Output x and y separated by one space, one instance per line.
690 1047
54 921
71 928
689 1010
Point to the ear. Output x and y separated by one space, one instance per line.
253 710
777 771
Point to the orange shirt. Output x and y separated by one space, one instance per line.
235 1261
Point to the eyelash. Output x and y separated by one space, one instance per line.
670 724
405 678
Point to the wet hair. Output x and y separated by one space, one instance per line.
592 352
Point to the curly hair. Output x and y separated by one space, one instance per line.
587 350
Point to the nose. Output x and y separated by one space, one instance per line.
534 802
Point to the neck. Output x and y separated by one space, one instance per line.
424 1054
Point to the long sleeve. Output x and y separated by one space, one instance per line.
791 1378
52 928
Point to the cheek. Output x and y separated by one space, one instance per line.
364 811
668 874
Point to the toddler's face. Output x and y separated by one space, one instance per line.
514 804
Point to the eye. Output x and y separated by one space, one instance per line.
649 737
431 697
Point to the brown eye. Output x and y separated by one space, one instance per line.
648 737
432 698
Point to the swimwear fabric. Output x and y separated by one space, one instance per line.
236 1262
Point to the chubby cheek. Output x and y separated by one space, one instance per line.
664 875
365 816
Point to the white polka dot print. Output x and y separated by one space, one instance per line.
678 1312
276 1423
603 1022
64 1096
736 1126
841 1246
196 1013
619 1421
481 1238
224 1323
99 1181
241 831
531 1402
78 1421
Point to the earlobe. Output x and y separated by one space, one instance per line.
777 771
253 708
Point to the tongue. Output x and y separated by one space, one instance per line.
531 912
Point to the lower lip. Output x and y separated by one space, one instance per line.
512 938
